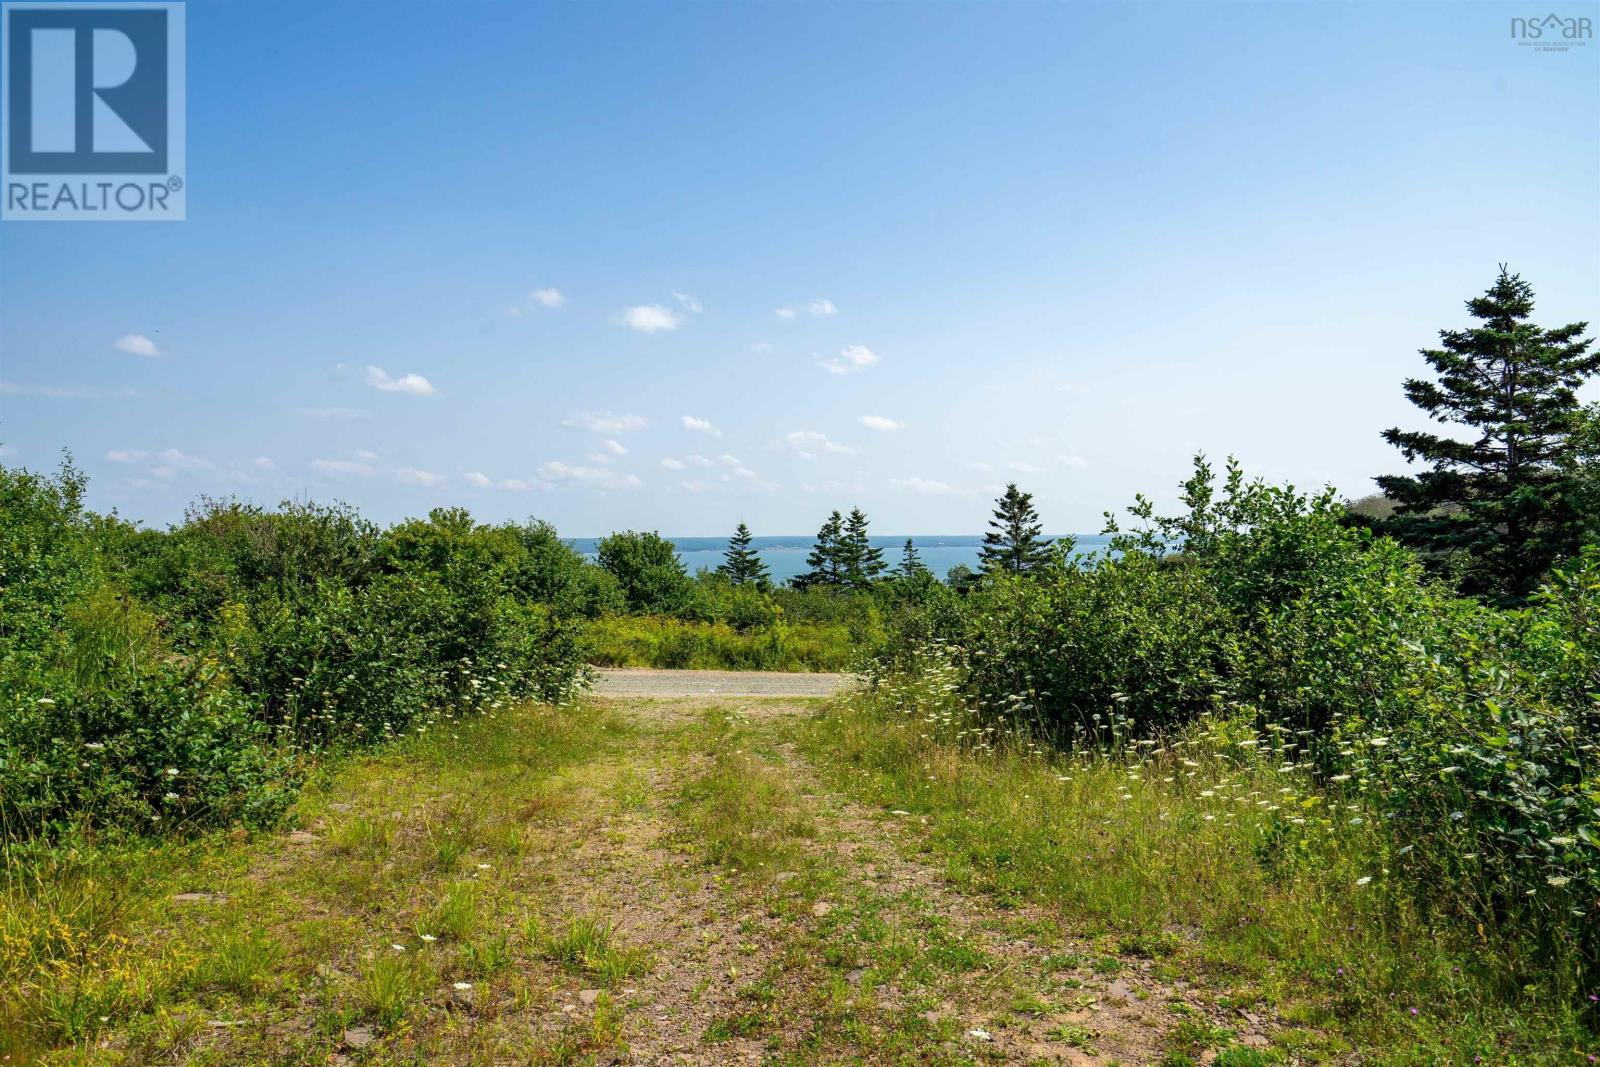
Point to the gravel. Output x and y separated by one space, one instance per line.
633 681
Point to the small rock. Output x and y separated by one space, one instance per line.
979 1034
462 998
358 1036
337 805
302 837
1254 1041
199 898
569 1008
588 996
855 976
821 908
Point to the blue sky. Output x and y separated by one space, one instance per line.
677 266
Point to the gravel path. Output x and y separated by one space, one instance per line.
636 681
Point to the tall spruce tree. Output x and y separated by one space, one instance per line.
911 564
740 563
862 564
1013 544
1501 509
826 559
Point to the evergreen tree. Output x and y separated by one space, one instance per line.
911 563
826 559
741 565
1501 509
1013 544
860 562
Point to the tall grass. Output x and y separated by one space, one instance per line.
1215 839
648 641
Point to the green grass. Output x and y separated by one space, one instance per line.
585 945
416 846
1208 858
645 641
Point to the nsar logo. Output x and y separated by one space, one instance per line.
1553 33
93 100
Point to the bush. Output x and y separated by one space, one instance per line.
171 680
648 571
1473 731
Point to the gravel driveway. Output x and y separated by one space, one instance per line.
633 681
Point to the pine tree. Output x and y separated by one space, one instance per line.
860 562
911 564
1013 545
1505 503
741 565
826 557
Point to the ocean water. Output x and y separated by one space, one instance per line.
785 557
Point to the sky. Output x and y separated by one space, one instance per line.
679 266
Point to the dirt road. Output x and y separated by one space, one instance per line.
641 682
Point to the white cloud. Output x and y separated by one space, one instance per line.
700 462
183 461
651 318
922 485
1069 387
672 464
264 463
545 298
137 344
1025 468
696 487
413 476
126 455
63 392
614 447
818 308
597 457
851 358
332 414
810 444
415 384
556 472
690 304
604 422
879 422
342 467
1076 462
761 348
699 425
477 479
366 453
979 465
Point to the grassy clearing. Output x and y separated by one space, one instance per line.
648 641
1215 857
404 919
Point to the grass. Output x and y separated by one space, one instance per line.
645 641
585 945
1213 857
404 891
866 885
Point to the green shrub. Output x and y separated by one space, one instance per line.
160 681
1472 731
